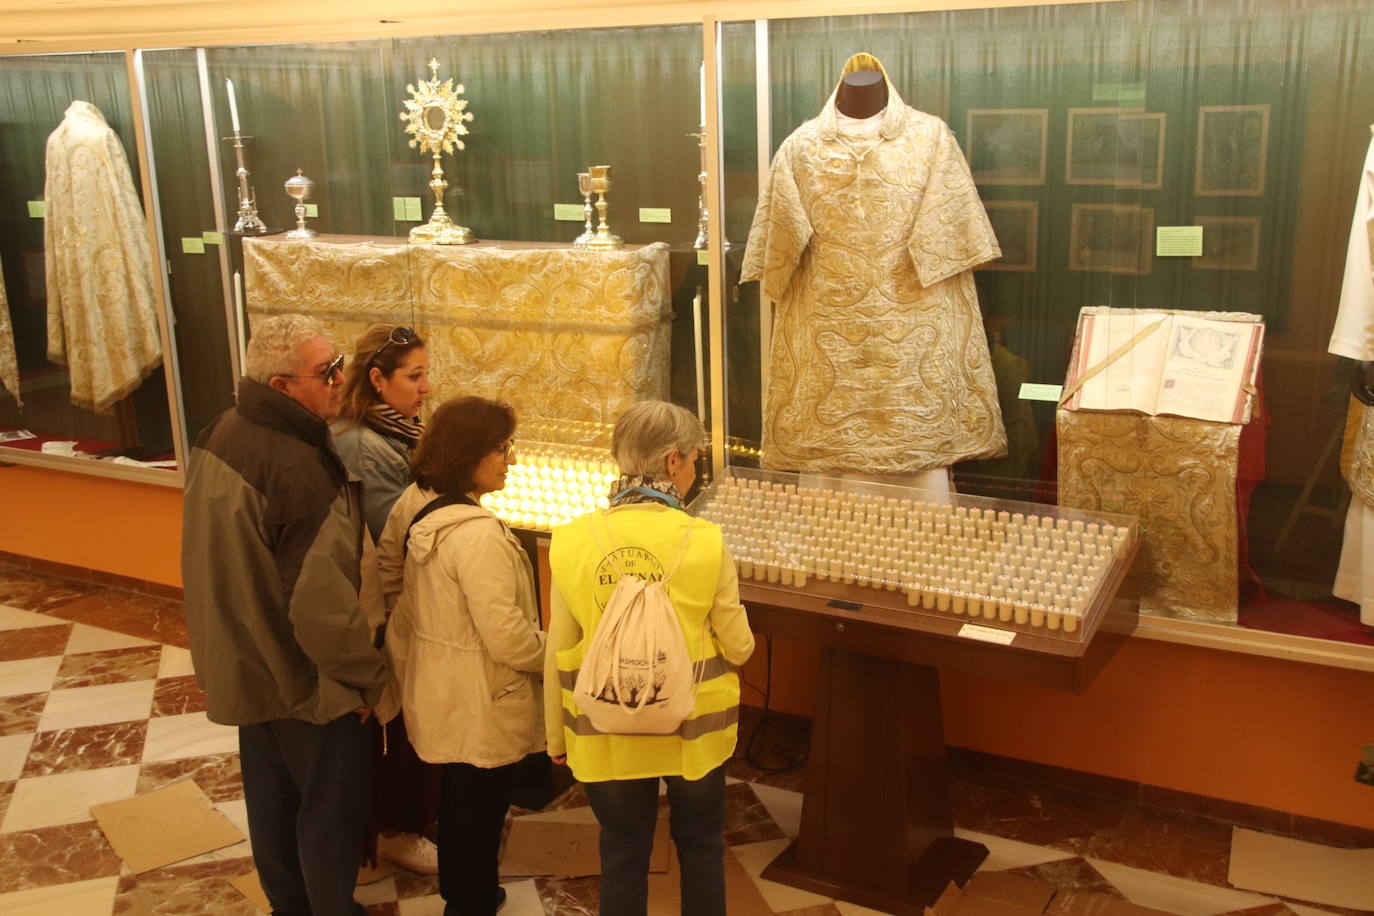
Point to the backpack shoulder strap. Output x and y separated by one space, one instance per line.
601 528
438 502
681 551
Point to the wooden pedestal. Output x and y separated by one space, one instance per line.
876 826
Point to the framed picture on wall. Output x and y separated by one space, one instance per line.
1112 238
1228 243
1007 145
1115 146
1232 149
1016 224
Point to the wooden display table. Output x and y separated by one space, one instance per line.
876 827
567 336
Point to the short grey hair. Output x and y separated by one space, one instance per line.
274 348
649 431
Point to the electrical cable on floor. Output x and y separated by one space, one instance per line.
796 734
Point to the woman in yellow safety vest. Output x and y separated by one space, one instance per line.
656 446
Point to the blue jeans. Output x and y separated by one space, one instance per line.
627 810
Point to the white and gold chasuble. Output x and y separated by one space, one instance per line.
9 367
879 359
1353 337
102 323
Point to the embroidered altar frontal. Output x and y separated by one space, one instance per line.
1178 475
568 337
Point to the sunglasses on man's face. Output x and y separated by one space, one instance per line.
330 375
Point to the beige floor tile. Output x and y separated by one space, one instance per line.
29 675
66 798
12 618
176 662
94 639
187 735
14 750
1175 895
522 899
779 897
784 806
74 707
80 898
1004 853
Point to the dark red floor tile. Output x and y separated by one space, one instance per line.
90 747
111 666
34 642
174 696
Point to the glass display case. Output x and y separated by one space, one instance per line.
1085 130
82 363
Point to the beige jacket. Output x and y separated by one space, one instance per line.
463 640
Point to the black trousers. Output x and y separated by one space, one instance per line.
471 815
306 790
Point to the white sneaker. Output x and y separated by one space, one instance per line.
409 850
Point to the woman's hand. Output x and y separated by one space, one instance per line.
560 760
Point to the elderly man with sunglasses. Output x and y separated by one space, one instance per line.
270 562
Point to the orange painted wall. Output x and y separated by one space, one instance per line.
1279 734
130 529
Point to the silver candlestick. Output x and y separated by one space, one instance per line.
703 216
248 221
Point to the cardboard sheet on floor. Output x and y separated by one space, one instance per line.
164 826
1000 893
742 896
1305 871
994 894
248 885
565 845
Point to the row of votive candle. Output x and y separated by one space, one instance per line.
1010 567
545 491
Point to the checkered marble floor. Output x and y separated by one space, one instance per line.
98 703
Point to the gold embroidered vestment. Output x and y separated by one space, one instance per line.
102 323
879 361
9 367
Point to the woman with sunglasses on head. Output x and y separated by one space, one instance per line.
377 429
464 642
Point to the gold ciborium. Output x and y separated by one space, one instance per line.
437 118
584 185
604 240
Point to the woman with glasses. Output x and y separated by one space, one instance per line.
464 641
379 425
656 445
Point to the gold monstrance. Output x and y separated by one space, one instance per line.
436 116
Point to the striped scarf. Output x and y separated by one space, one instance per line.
623 492
390 422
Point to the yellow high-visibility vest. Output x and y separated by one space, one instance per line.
646 538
